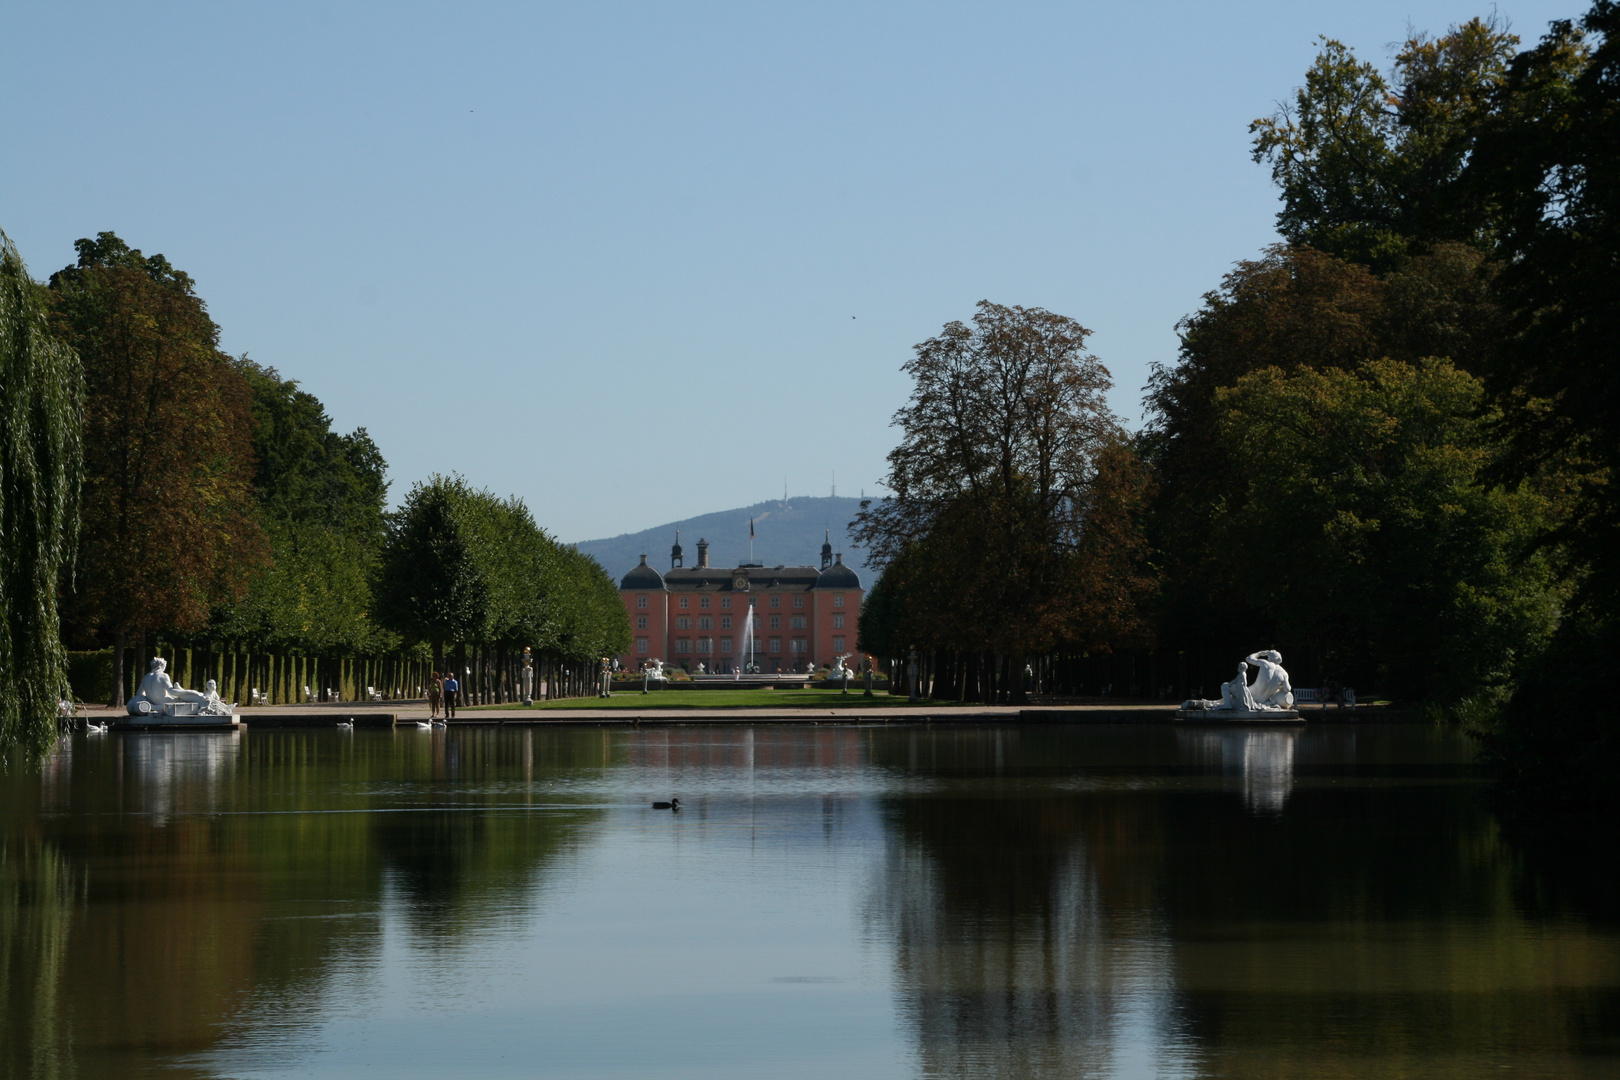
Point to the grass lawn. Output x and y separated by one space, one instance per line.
722 699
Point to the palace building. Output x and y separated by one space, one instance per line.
692 615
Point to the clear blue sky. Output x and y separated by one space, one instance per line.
635 262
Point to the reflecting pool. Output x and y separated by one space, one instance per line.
947 901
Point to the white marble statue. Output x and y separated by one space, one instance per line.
1270 691
839 672
159 695
654 670
152 696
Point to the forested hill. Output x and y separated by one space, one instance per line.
785 533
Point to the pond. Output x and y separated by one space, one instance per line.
946 901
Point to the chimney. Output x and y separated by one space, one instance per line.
703 554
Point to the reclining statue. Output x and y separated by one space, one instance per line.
158 695
1269 692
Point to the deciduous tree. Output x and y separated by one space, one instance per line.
170 526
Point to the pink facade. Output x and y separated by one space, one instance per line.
687 616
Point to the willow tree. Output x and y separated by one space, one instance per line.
41 455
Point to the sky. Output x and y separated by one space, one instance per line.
636 262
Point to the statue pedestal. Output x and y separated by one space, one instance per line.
1237 716
173 722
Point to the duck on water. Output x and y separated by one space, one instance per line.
673 804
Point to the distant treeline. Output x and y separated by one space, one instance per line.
1386 448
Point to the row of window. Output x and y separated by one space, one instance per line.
706 622
685 602
705 646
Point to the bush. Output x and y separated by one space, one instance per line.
90 674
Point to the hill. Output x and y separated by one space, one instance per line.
785 533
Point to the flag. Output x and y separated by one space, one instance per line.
750 528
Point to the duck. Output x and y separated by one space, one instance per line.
673 804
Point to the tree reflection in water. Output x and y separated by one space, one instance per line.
1041 902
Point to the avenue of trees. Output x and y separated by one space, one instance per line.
160 496
1387 445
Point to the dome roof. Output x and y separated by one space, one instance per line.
642 577
838 576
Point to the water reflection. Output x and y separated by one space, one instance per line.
944 902
189 766
1262 760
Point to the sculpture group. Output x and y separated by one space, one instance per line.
159 697
1268 693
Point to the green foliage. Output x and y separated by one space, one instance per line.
41 458
1007 479
90 674
1370 164
1551 164
1362 522
171 527
321 498
460 565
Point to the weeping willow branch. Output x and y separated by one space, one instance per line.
41 466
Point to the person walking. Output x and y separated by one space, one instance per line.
435 689
451 689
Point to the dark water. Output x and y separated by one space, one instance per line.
830 902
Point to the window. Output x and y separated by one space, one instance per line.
703 601
683 645
799 646
776 622
838 644
725 645
725 622
705 645
757 622
776 644
838 599
683 622
705 622
641 601
797 622
641 646
776 601
686 602
641 622
725 603
838 622
798 601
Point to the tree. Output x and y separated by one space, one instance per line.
1365 525
1550 165
1370 165
41 458
170 525
995 484
321 497
461 566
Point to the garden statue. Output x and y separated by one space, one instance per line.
158 696
1270 693
526 676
